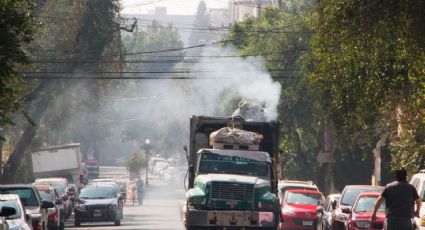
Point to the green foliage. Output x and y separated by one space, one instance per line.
367 65
202 20
281 38
16 29
135 163
155 37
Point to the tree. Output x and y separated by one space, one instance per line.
282 39
202 20
53 103
135 164
16 29
367 63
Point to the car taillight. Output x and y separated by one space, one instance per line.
422 222
37 224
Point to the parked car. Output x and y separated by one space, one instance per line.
62 186
4 213
324 213
97 203
360 215
117 190
298 209
33 204
56 215
284 185
418 181
348 197
16 220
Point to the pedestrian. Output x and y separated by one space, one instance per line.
400 198
140 191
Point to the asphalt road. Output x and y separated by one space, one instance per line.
160 210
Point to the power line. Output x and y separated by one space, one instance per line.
136 78
182 71
194 58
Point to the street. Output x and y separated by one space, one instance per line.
160 209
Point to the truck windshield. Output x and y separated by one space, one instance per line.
222 164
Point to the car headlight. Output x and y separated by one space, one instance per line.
422 221
112 206
362 224
196 200
288 212
82 207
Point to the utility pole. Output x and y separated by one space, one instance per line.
147 148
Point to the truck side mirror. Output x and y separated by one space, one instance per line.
191 175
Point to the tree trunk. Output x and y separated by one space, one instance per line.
25 140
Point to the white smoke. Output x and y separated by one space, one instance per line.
245 77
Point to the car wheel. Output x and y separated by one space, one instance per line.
117 222
77 223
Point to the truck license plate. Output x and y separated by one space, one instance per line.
307 223
234 219
97 213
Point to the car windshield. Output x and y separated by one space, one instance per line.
216 163
351 194
60 186
13 204
283 189
26 195
366 204
45 196
97 193
303 198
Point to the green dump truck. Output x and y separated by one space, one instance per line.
232 186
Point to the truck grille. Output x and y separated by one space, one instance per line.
232 191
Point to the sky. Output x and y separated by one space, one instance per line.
173 6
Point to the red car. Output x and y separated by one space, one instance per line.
361 213
56 220
345 203
299 209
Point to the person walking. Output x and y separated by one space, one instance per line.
400 198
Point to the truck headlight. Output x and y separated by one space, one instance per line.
362 224
196 200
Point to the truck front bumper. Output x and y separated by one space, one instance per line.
220 218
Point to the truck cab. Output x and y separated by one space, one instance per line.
232 186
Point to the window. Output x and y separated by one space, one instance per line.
27 195
13 204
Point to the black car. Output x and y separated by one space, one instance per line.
98 203
33 204
324 213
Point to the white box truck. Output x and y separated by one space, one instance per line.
58 161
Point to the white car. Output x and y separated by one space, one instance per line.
418 181
19 220
284 185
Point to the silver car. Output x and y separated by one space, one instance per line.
19 220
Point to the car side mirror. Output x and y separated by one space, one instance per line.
7 211
319 209
333 204
46 204
346 210
28 217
